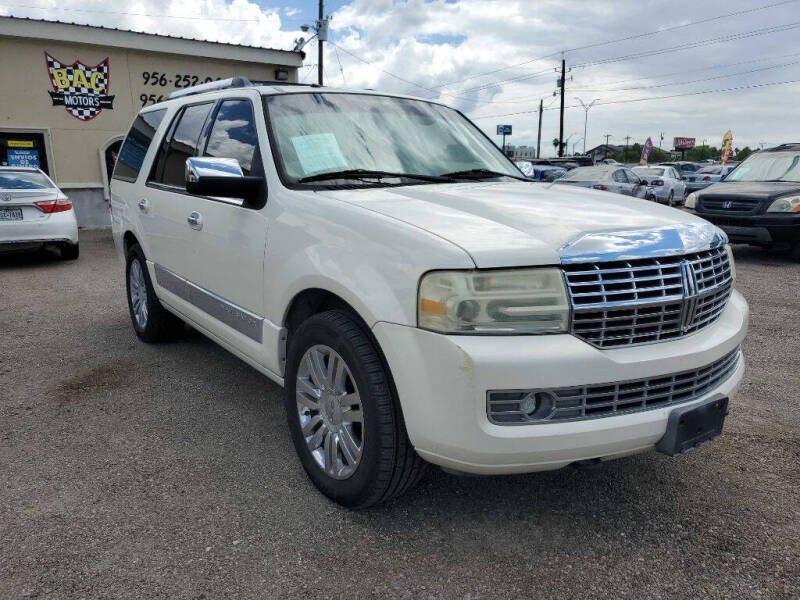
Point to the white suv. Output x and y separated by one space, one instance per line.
419 301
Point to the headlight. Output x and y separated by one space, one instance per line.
494 302
730 261
691 200
787 204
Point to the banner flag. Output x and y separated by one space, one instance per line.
646 150
727 146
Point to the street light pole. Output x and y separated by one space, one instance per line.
585 119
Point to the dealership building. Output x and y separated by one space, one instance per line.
70 93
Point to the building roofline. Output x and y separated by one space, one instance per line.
26 27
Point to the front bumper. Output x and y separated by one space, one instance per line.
762 230
57 227
442 383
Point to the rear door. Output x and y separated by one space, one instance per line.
166 206
620 182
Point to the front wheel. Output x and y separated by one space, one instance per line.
343 415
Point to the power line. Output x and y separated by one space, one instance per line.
684 72
624 39
660 85
690 45
609 102
128 14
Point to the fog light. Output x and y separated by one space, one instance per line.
528 404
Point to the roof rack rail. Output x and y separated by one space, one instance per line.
222 84
283 83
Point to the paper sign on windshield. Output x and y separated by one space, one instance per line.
318 153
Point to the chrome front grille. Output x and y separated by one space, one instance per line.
730 205
646 300
608 399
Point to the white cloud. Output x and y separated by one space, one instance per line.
434 42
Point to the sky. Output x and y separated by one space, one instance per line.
644 61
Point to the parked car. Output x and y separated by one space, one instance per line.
526 167
380 258
609 178
668 187
34 213
758 203
685 168
707 176
549 174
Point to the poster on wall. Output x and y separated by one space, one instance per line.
17 157
81 89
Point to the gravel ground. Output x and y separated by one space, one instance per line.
133 471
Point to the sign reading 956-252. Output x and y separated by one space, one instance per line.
161 79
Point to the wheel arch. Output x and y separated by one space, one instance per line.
129 239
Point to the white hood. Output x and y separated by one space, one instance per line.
515 224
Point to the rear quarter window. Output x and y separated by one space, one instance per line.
134 148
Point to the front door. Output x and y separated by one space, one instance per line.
229 240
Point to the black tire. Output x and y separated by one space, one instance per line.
160 324
70 251
389 466
795 252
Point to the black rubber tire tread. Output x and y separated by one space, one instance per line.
399 467
795 252
70 251
162 325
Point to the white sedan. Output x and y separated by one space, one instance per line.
35 213
667 184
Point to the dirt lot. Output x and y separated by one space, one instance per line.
131 471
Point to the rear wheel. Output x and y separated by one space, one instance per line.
151 321
344 416
70 251
795 252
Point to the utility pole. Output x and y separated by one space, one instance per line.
539 137
627 140
320 29
320 23
661 141
561 118
585 120
605 154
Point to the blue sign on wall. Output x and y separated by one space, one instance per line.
23 158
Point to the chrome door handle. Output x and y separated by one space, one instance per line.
195 220
143 205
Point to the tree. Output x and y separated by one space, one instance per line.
702 153
657 155
743 153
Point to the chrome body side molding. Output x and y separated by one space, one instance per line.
227 312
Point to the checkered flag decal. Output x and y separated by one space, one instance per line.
84 94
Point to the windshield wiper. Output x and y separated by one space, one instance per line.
367 173
478 174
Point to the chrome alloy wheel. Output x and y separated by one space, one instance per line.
330 411
138 292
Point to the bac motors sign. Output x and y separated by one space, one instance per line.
81 89
683 143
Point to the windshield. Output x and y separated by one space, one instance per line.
710 170
23 180
768 166
320 133
650 172
586 174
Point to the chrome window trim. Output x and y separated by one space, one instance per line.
225 311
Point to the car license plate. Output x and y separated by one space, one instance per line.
10 214
692 426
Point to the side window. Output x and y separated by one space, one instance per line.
134 148
233 134
619 176
632 177
182 144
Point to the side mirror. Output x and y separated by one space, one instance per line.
223 178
